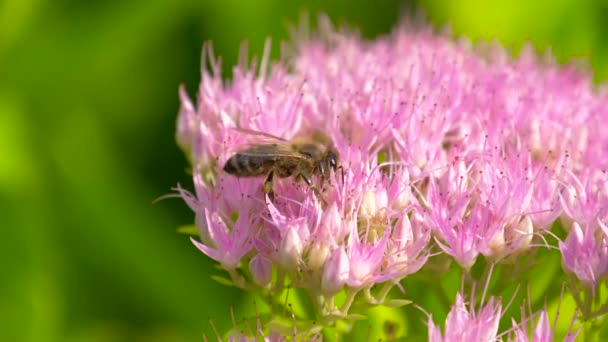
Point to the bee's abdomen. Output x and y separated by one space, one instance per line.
248 166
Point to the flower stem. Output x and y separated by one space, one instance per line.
349 300
386 288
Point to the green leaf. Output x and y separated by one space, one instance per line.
285 326
280 326
223 281
333 318
395 303
188 229
356 317
314 330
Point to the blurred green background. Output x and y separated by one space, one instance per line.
88 101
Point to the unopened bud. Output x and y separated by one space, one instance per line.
497 243
290 251
368 205
335 272
523 233
261 270
373 201
317 255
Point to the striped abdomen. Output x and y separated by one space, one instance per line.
243 165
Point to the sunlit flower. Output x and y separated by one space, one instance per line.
585 254
585 198
336 272
543 331
439 144
464 323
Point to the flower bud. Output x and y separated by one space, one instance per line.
401 200
331 226
368 205
402 233
186 121
335 272
373 201
523 233
261 270
290 250
317 255
497 244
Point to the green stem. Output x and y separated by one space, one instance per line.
587 307
600 312
349 300
576 295
238 280
318 303
367 293
386 288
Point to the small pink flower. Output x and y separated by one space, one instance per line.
585 254
284 237
585 198
541 332
545 206
483 206
407 250
365 257
461 232
229 245
465 324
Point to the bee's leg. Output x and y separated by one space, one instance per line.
342 169
323 174
267 187
312 187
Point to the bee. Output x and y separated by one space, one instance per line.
284 158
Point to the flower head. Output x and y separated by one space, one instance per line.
437 142
465 324
585 254
543 331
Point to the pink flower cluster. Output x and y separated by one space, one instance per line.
464 323
440 144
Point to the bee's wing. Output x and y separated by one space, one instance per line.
260 144
275 150
260 137
240 139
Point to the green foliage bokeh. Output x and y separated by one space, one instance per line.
88 101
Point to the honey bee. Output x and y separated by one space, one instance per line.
284 158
